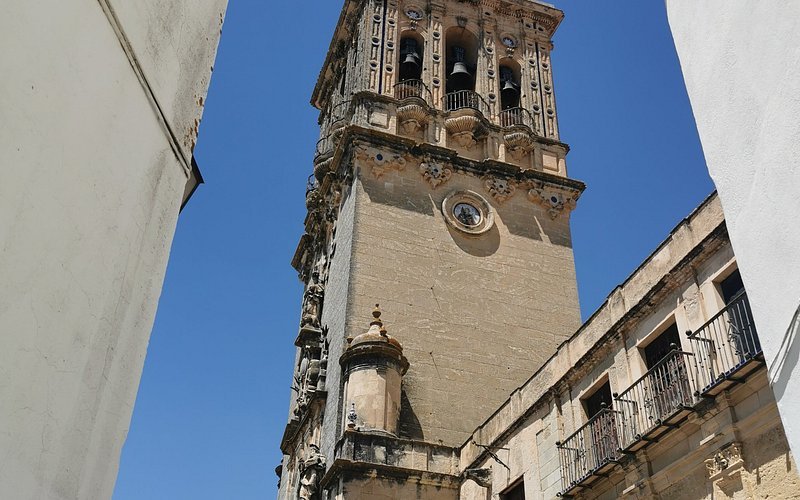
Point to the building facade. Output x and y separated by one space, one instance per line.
101 103
662 394
440 192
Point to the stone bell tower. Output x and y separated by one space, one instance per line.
439 190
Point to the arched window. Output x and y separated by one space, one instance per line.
411 49
509 84
462 57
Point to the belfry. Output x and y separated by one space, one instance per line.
440 191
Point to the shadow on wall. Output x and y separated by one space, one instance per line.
481 246
409 423
786 360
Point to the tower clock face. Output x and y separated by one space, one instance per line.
467 214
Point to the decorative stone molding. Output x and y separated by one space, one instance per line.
519 142
322 168
379 162
500 189
465 129
554 199
434 173
726 461
468 212
483 477
412 117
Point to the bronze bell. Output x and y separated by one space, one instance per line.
509 88
460 78
410 59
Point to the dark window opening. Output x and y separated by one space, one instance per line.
461 51
661 346
600 399
410 59
731 287
516 492
509 88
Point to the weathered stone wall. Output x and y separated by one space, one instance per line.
677 465
474 314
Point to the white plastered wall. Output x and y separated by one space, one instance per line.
741 64
94 149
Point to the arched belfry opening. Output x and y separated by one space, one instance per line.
461 49
510 94
412 47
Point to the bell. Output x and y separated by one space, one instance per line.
509 89
410 59
460 78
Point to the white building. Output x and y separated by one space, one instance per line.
741 63
101 103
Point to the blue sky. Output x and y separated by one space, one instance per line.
213 400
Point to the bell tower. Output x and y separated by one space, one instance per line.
440 191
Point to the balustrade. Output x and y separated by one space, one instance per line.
465 99
515 116
725 343
589 449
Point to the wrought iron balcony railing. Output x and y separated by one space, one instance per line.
465 99
591 449
666 390
337 116
726 349
515 116
408 89
725 344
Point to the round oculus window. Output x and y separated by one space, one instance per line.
509 42
467 214
414 13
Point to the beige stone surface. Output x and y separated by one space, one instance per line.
466 309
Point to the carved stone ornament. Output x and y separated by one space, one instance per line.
322 168
434 173
464 129
312 301
352 417
468 212
413 117
726 461
519 142
311 471
500 189
483 477
555 200
378 161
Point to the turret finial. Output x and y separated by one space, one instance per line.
376 314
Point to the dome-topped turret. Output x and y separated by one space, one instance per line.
374 365
375 342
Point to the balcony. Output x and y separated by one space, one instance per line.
465 99
337 117
411 89
657 402
516 117
727 348
725 351
591 451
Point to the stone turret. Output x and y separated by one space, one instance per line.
373 365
